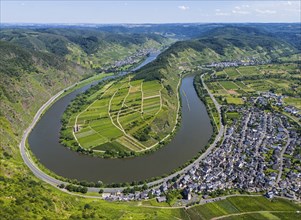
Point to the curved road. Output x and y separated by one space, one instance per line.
55 182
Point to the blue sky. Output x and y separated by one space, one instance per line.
148 11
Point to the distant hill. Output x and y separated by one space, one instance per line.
219 44
289 32
243 38
86 47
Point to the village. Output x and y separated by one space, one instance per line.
135 58
129 60
247 61
259 153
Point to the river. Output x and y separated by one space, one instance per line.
192 136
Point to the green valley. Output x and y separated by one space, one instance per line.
141 112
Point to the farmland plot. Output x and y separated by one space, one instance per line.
119 115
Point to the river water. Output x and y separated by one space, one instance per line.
192 136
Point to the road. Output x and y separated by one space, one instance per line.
262 135
25 155
245 127
55 182
282 152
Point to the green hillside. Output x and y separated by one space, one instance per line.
220 44
86 47
28 79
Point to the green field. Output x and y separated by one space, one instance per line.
121 116
232 115
236 205
232 72
243 86
228 85
247 70
293 101
235 101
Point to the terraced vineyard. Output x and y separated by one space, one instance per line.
121 116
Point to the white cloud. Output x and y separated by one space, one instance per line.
183 7
222 14
219 12
240 12
266 11
243 10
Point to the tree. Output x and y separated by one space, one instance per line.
62 185
84 190
87 206
144 187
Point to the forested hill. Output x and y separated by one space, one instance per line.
290 32
27 79
219 44
16 60
249 41
86 47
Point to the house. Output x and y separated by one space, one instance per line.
161 199
186 194
269 195
163 187
205 196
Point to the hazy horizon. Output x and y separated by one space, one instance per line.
148 12
145 24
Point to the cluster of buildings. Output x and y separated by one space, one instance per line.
135 58
119 196
277 100
236 63
260 152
